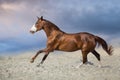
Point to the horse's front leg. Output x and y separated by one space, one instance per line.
45 56
34 57
43 59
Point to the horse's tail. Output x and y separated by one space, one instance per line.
102 42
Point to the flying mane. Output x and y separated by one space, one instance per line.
50 24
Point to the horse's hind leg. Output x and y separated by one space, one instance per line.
97 55
85 60
84 55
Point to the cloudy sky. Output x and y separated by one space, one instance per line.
100 17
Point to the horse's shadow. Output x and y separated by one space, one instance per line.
106 66
92 64
89 63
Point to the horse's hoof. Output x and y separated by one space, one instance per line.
38 65
31 61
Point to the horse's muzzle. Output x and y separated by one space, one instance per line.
32 32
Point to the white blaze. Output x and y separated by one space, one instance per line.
33 28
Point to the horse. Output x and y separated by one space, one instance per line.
69 42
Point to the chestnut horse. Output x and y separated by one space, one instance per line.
59 40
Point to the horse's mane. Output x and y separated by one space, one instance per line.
52 25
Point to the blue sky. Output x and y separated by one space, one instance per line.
100 17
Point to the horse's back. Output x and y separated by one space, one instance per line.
76 41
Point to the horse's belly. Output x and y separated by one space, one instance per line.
68 46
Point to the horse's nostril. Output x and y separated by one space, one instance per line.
32 32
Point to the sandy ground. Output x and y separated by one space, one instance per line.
60 66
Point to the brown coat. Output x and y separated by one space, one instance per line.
59 40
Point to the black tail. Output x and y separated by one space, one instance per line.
104 45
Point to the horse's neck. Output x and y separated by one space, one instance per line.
49 30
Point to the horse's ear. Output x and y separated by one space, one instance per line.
38 17
41 18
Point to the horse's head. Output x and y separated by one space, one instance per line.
38 25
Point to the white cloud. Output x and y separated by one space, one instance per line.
12 7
